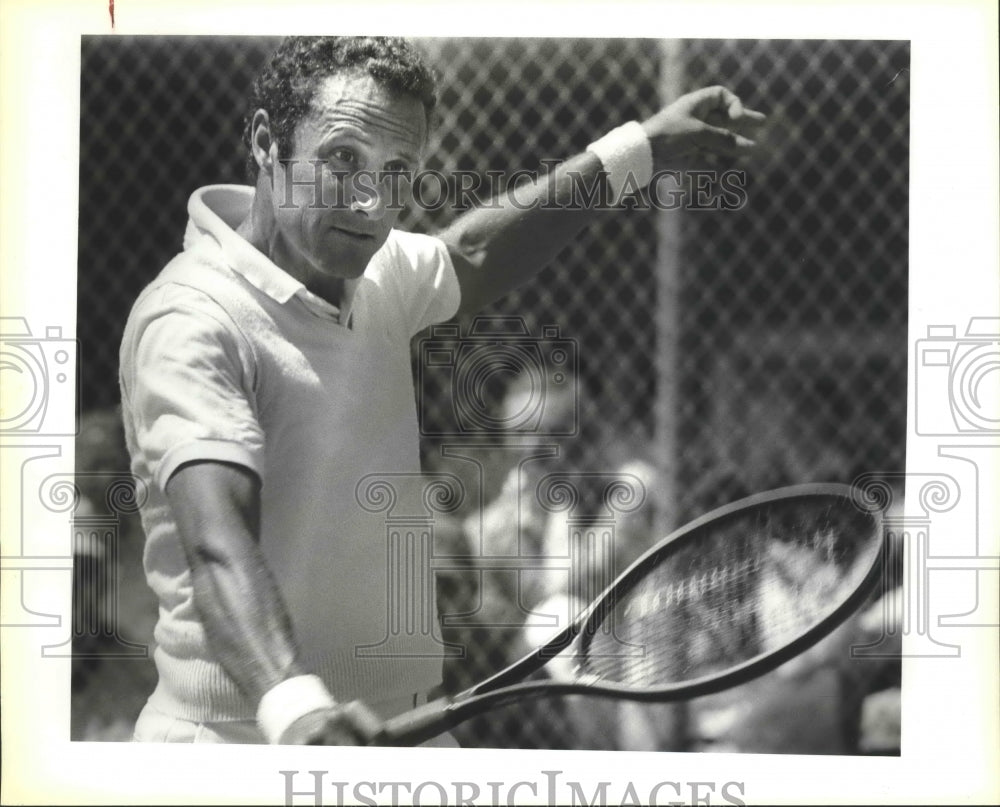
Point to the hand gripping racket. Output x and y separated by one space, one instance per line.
724 599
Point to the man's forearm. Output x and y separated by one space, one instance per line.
248 630
245 620
499 247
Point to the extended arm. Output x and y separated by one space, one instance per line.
217 509
497 248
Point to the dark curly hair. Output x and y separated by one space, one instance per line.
286 86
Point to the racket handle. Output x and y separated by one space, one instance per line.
417 725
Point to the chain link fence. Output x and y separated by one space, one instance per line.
709 352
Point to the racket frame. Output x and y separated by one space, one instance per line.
508 685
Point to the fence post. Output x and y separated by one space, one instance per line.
668 269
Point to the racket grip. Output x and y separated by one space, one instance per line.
417 725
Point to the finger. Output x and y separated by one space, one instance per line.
362 721
734 106
309 729
722 99
749 123
722 141
749 127
725 100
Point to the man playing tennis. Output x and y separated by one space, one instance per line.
266 372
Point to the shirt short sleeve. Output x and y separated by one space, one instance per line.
187 385
428 288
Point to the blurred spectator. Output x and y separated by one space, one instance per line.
610 724
515 611
493 603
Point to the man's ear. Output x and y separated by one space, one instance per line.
262 144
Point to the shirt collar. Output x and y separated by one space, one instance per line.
216 211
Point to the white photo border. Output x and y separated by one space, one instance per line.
950 731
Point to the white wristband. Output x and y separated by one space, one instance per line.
625 152
285 703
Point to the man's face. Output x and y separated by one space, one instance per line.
339 192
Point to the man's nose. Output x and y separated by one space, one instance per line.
368 201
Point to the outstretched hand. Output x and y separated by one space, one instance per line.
344 724
711 120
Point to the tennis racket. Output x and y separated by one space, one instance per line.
724 599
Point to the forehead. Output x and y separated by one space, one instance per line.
356 100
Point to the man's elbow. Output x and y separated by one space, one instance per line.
204 556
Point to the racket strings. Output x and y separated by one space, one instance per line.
744 588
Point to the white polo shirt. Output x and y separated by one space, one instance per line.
226 357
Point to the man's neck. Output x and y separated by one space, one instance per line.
260 230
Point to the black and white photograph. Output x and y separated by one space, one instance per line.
569 408
736 324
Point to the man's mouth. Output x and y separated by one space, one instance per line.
355 234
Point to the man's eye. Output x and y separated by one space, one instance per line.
344 156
